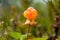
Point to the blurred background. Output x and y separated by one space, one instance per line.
12 19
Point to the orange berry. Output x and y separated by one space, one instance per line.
30 13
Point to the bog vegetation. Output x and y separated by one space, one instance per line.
29 19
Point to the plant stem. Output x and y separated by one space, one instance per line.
28 32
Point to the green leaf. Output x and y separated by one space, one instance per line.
39 39
23 37
15 35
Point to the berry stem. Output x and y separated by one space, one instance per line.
28 31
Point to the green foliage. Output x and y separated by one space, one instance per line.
15 35
39 39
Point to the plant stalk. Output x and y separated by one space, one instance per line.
28 32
